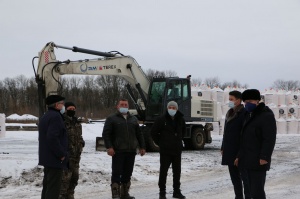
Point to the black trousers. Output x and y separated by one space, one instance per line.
122 167
165 162
239 177
257 181
51 183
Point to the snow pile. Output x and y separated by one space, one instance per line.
21 117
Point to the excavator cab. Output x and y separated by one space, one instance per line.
164 90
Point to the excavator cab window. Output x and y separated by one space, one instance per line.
185 91
174 90
156 97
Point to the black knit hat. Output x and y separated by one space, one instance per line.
67 104
53 99
251 94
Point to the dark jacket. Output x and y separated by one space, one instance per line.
53 141
75 140
168 133
123 135
258 138
232 134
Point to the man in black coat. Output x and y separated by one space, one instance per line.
122 137
231 142
257 142
53 145
167 131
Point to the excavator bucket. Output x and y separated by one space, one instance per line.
100 144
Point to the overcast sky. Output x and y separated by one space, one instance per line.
253 41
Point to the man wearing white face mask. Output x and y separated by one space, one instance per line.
53 145
167 131
122 136
231 142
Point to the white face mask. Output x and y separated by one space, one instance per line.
230 104
62 110
123 110
172 112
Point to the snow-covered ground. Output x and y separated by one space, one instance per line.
202 174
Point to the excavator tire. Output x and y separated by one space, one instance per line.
198 139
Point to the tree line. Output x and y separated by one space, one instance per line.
94 96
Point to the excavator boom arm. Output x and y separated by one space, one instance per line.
49 69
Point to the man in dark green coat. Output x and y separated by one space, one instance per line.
122 137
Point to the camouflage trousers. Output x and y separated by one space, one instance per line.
70 179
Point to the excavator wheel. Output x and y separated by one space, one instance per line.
198 138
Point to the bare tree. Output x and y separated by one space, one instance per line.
154 73
196 81
286 85
170 73
4 98
233 84
212 82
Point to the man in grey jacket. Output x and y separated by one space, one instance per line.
122 137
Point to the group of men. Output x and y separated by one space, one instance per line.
61 143
248 143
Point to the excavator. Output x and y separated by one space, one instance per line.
154 94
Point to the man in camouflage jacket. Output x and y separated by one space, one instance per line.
75 145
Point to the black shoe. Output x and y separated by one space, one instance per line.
162 195
178 194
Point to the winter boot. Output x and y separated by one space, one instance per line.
71 196
177 194
162 195
115 190
125 191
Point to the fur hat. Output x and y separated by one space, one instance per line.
67 104
172 103
53 99
251 94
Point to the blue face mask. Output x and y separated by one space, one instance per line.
230 104
62 110
172 112
123 110
250 107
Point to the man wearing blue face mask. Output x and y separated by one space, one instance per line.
122 137
167 131
257 142
231 142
